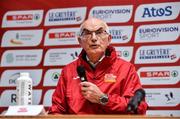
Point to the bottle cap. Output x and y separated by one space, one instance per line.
24 74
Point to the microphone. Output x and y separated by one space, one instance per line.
135 101
81 72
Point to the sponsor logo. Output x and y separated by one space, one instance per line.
121 34
157 54
62 35
22 109
157 33
8 78
155 74
112 14
9 97
22 18
157 11
21 38
52 74
55 57
47 101
65 16
124 53
169 97
159 75
65 36
21 58
110 78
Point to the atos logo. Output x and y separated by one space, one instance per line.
153 12
157 11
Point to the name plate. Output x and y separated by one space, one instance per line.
25 110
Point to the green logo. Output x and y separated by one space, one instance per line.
125 53
174 73
55 76
9 58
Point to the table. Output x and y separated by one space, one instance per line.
88 117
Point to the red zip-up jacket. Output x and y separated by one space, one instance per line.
114 76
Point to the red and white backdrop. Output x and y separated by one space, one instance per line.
39 37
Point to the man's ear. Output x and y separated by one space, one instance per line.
79 40
109 38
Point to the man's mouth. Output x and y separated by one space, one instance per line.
94 46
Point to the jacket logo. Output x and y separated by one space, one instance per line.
109 78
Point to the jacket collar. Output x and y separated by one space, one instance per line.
107 61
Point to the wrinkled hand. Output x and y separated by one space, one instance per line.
91 92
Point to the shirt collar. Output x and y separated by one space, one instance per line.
94 64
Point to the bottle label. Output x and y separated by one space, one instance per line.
24 92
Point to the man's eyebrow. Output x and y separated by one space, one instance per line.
101 28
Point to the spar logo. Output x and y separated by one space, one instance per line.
157 12
155 74
149 74
62 35
157 54
22 18
112 14
159 75
157 33
65 16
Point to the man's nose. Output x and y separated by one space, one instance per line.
94 37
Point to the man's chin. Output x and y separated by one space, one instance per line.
95 52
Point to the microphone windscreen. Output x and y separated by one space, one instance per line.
140 92
81 71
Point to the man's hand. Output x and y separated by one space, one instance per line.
91 92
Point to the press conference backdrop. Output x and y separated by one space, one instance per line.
39 37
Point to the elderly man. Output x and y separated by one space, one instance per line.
111 81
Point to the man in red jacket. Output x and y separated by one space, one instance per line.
111 81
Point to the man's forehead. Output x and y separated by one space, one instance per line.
93 25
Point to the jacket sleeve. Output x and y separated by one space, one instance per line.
118 102
59 103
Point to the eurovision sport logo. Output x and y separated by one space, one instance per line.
112 14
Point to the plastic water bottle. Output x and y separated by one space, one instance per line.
24 89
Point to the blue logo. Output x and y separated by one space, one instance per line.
153 12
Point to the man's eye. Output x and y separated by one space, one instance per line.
86 33
99 32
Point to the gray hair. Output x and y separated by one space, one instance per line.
81 28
